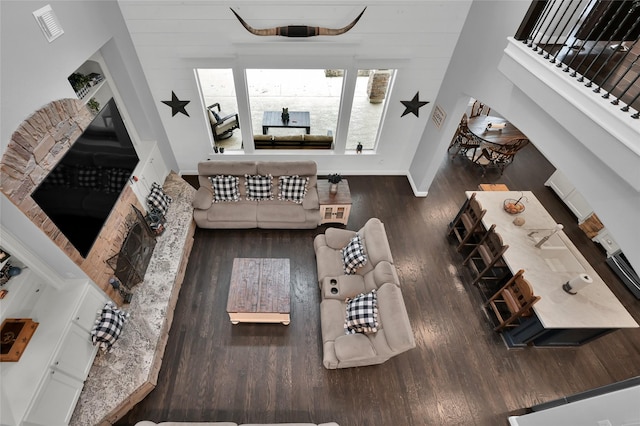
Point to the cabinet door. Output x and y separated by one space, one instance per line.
88 308
578 205
560 184
56 400
76 354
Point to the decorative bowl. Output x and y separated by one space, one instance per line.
512 206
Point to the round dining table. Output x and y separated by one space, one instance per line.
490 129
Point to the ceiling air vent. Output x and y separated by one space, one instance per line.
48 23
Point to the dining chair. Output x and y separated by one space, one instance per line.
499 156
467 226
464 141
512 302
478 108
485 259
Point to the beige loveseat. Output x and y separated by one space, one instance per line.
246 213
148 423
394 335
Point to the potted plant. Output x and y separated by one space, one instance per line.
334 179
94 105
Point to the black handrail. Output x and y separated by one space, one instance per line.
595 41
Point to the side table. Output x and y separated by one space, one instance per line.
334 207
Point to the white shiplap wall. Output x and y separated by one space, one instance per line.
417 37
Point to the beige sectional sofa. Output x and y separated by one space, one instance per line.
246 213
148 423
394 335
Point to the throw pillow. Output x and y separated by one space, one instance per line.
292 188
157 199
353 255
258 187
362 314
225 188
108 326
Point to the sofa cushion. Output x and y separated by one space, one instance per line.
203 198
242 210
362 314
268 212
258 187
375 240
394 318
353 255
225 188
292 188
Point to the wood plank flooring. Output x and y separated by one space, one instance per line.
460 373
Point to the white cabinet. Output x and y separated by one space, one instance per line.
56 400
568 194
580 208
76 353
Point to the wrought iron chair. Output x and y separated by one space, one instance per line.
464 142
478 108
499 156
222 126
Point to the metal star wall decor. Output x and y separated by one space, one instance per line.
413 105
177 105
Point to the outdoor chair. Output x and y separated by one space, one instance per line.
222 126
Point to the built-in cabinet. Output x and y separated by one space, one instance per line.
563 187
42 388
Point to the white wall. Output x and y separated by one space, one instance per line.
619 407
415 37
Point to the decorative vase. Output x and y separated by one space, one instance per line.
333 188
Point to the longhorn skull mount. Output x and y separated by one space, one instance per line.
298 30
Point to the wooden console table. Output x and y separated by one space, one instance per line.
334 207
119 380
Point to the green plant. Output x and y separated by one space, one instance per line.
334 178
93 105
78 81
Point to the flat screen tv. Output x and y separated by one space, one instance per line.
81 190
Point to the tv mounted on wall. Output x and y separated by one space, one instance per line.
81 190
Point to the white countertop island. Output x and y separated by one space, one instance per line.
547 268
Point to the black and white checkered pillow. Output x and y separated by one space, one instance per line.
158 200
258 187
353 255
362 314
108 326
292 188
225 188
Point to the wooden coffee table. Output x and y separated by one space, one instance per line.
260 291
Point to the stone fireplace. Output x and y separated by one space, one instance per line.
34 149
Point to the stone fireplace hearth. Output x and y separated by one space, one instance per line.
35 147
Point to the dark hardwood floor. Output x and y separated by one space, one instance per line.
460 373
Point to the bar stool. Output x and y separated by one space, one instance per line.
512 302
467 226
485 259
